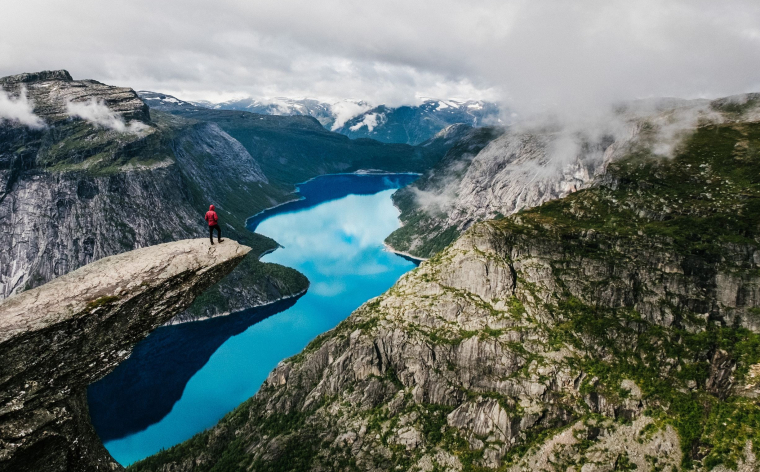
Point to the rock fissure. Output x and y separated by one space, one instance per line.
58 338
573 336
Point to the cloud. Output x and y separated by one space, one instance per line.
347 109
18 109
547 156
529 55
441 194
371 121
98 113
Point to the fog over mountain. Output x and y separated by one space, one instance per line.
528 55
576 182
354 118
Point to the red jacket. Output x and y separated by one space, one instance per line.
211 217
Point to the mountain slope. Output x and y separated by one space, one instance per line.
423 204
327 114
416 124
613 329
528 166
164 102
78 190
321 111
292 149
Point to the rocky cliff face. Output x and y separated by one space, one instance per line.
425 204
50 91
82 188
58 338
614 329
532 164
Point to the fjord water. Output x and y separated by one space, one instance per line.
182 379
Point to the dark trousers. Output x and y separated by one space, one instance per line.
211 233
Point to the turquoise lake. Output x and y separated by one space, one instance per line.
182 379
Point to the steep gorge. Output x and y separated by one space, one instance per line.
78 189
614 329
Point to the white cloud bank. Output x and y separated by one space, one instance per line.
371 121
98 113
19 110
527 54
347 109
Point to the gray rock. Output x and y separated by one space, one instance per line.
58 338
49 91
74 193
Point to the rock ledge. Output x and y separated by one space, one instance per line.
58 338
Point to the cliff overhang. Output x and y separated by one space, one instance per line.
58 338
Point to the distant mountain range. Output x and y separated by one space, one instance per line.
415 124
409 124
326 113
164 102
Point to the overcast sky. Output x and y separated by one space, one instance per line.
528 54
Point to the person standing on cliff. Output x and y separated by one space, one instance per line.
213 224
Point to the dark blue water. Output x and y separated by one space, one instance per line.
182 379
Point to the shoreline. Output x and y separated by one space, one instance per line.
360 172
270 208
296 191
171 322
270 251
390 248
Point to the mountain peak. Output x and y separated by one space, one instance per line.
39 76
51 91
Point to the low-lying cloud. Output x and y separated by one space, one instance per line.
18 110
98 113
549 156
371 121
442 194
347 109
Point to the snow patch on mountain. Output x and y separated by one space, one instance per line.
416 124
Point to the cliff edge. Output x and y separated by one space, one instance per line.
58 338
617 328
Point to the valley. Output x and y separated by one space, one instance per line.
588 300
83 191
334 237
610 328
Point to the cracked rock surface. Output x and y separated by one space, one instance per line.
76 191
614 329
60 337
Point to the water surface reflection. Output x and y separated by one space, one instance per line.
179 382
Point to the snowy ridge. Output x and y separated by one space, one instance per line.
416 124
409 124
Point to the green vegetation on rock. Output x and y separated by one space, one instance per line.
617 327
423 233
